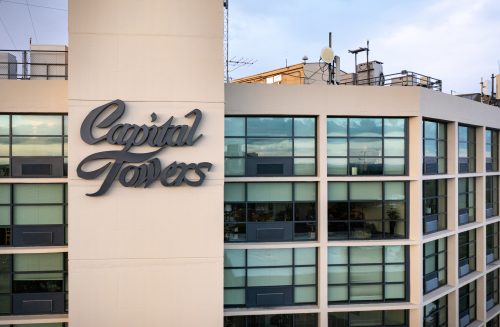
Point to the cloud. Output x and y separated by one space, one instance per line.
453 40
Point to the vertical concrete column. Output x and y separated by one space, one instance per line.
415 148
322 221
452 260
147 256
452 204
452 145
481 298
481 249
453 308
480 149
480 199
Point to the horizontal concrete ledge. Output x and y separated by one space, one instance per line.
33 319
271 311
372 307
33 249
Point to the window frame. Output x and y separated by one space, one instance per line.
436 141
293 285
293 317
293 220
349 314
437 197
441 310
470 256
292 137
12 206
491 192
382 138
471 308
492 277
493 232
437 269
492 143
467 194
384 204
471 141
383 283
11 136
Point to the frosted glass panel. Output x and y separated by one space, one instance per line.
305 294
38 193
366 191
337 275
337 255
366 254
269 192
366 292
394 273
394 291
337 191
269 257
234 277
234 192
305 191
38 215
394 191
234 258
4 215
38 262
39 276
4 193
366 274
394 254
337 293
305 275
269 277
305 256
232 297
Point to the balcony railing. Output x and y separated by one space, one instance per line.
33 65
404 78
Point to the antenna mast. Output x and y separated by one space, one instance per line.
226 39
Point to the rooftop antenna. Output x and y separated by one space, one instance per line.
233 62
328 56
355 52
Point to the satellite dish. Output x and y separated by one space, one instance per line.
327 55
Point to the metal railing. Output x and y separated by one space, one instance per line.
33 64
404 78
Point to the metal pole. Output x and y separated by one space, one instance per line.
330 64
367 60
356 68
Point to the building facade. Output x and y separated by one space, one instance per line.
193 203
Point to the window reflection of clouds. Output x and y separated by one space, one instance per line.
36 125
269 126
37 146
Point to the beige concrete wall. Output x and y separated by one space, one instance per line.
147 257
33 96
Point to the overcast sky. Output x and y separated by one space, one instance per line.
453 40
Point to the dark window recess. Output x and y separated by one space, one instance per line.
466 252
435 144
277 320
434 205
37 167
467 304
436 313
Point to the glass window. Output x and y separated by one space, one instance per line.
491 289
435 264
434 205
491 196
366 146
367 273
466 200
368 318
491 141
492 242
434 147
250 273
436 313
281 320
466 252
31 274
467 304
493 322
269 212
270 146
35 208
466 149
32 136
366 210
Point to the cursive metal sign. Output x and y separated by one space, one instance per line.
131 135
